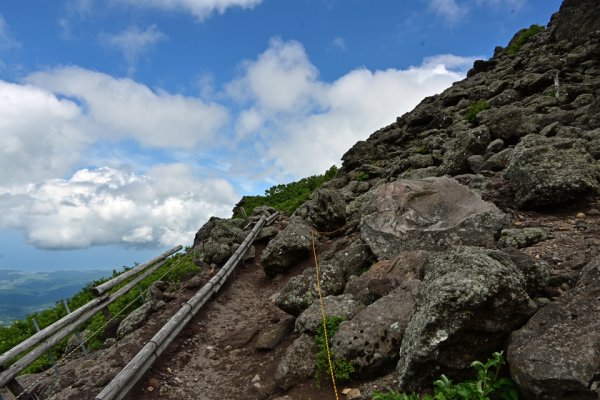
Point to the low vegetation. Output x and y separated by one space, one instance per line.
523 38
488 385
20 330
342 368
474 109
284 197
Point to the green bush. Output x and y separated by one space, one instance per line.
487 386
474 109
284 197
361 176
523 38
342 368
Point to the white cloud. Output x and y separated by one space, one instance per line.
513 4
303 125
7 41
40 135
123 108
133 42
450 10
201 9
107 206
339 43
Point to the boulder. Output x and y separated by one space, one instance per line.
135 319
270 337
385 276
466 144
290 246
524 237
343 306
298 364
371 340
214 241
431 214
576 20
556 355
301 291
546 172
469 301
326 209
506 122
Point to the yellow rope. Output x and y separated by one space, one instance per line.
323 316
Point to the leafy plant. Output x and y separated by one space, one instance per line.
342 368
474 109
361 176
487 386
284 197
523 38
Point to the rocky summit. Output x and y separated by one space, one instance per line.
468 226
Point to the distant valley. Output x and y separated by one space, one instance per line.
22 293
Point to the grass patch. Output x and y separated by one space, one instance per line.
488 385
342 368
474 109
523 38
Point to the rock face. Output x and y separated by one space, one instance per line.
371 340
290 246
469 301
556 355
432 213
576 20
551 171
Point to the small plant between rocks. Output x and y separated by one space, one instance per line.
342 368
474 109
487 386
524 38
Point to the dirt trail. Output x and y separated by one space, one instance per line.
214 357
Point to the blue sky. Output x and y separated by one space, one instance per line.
125 124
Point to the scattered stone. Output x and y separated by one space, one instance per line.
580 215
524 237
352 394
194 282
273 335
298 364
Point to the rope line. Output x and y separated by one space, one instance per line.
318 273
64 357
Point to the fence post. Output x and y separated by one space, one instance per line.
37 329
77 334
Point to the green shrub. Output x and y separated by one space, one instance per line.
487 386
284 197
523 38
361 176
342 368
474 109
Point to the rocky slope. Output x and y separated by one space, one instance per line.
446 236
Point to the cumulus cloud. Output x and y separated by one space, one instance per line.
133 42
123 108
305 125
201 9
108 206
41 136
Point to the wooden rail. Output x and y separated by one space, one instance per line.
53 334
120 386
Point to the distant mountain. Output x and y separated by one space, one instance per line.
22 293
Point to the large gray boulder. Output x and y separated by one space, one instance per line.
371 340
430 214
551 171
469 301
506 122
298 364
326 209
556 355
301 291
342 306
290 246
383 277
213 243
